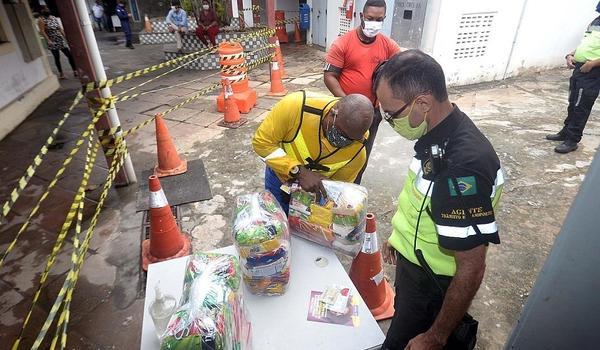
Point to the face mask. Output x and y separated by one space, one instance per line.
402 126
372 28
206 7
335 136
46 13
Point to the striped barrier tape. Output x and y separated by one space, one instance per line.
261 31
92 151
78 256
287 21
37 160
58 174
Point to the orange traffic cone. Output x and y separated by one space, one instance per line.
297 34
232 118
277 88
367 275
166 241
147 24
279 57
169 162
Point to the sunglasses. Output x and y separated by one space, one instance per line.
391 116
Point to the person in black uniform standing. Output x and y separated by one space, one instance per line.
584 87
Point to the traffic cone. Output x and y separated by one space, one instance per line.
297 34
367 275
169 162
166 241
277 88
147 24
232 118
279 57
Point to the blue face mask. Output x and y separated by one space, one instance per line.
335 136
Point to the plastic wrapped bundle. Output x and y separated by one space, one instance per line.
337 221
262 238
211 313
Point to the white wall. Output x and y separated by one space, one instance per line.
16 76
548 31
333 20
23 86
526 34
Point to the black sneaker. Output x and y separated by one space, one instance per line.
566 147
556 137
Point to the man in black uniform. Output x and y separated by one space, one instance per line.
445 217
584 87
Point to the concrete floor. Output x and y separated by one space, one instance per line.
107 307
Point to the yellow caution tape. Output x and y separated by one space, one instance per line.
37 160
110 82
78 201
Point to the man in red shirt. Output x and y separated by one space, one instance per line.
353 57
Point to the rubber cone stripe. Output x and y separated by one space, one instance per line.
158 199
378 277
370 244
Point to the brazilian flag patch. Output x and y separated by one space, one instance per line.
467 186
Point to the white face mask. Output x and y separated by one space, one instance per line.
372 28
173 8
206 7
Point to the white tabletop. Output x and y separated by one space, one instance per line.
279 322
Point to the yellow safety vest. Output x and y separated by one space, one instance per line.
314 109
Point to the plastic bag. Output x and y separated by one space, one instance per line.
262 239
338 221
211 312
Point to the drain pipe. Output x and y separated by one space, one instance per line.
512 48
94 55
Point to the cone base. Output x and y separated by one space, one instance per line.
386 309
281 93
148 258
244 100
180 169
233 125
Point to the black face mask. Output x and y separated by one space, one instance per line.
46 13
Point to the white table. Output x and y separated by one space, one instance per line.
279 322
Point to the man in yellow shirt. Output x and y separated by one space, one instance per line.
584 87
308 137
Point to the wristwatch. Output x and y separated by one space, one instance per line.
295 171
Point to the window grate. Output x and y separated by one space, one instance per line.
473 35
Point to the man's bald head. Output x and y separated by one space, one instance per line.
355 115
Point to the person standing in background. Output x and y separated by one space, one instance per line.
353 57
124 18
51 29
207 24
98 13
178 22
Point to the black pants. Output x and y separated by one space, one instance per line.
418 301
583 91
369 143
67 53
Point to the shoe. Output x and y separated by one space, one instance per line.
556 137
62 76
566 147
131 47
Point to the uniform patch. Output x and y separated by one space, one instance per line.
467 186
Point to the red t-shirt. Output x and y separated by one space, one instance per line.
358 60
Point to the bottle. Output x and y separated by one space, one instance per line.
161 310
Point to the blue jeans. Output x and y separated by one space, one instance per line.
273 184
